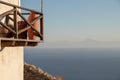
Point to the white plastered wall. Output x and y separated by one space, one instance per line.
11 58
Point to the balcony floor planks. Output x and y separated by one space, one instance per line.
11 42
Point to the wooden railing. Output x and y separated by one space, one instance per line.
13 15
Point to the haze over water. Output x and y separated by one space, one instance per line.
77 63
82 39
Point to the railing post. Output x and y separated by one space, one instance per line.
13 16
15 22
41 28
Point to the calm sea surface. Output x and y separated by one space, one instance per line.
77 64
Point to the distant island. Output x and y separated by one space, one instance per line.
81 44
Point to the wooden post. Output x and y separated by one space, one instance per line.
41 28
15 22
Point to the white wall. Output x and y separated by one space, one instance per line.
11 58
11 63
5 8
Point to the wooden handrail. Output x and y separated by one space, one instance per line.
6 13
7 27
16 13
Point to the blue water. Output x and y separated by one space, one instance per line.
77 64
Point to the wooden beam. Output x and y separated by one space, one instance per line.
6 13
15 22
28 23
36 19
10 29
10 18
26 28
23 30
42 28
18 42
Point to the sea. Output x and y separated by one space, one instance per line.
77 63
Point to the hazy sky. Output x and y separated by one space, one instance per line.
78 20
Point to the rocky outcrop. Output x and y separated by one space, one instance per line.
31 72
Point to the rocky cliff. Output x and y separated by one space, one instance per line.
31 72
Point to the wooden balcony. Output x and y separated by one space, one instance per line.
17 34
